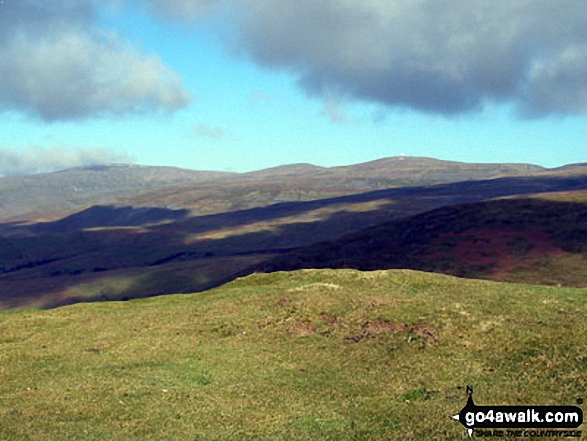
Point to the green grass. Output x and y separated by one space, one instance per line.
340 355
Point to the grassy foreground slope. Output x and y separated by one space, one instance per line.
305 355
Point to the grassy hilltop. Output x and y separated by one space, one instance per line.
313 354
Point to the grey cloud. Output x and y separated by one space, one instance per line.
439 56
73 77
56 64
39 18
559 84
36 159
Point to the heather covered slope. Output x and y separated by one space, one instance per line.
134 231
306 355
539 239
111 253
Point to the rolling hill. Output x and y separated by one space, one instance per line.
308 354
161 235
306 182
54 195
46 195
313 354
111 253
539 239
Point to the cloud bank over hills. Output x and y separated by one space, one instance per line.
36 159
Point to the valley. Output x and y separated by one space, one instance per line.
173 241
292 303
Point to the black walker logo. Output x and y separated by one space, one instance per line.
514 419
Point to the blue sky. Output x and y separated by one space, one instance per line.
222 93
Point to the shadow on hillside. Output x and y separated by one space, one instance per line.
522 239
38 263
413 199
406 200
109 216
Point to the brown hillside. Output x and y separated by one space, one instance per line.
534 240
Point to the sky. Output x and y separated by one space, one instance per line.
240 85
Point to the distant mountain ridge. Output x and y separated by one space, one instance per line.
286 170
405 167
47 194
122 232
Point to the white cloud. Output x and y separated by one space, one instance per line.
184 10
36 159
334 109
259 96
56 64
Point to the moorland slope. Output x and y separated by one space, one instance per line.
110 253
313 354
540 239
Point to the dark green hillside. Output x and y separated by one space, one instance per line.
337 355
541 239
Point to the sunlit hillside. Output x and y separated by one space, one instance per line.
313 354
